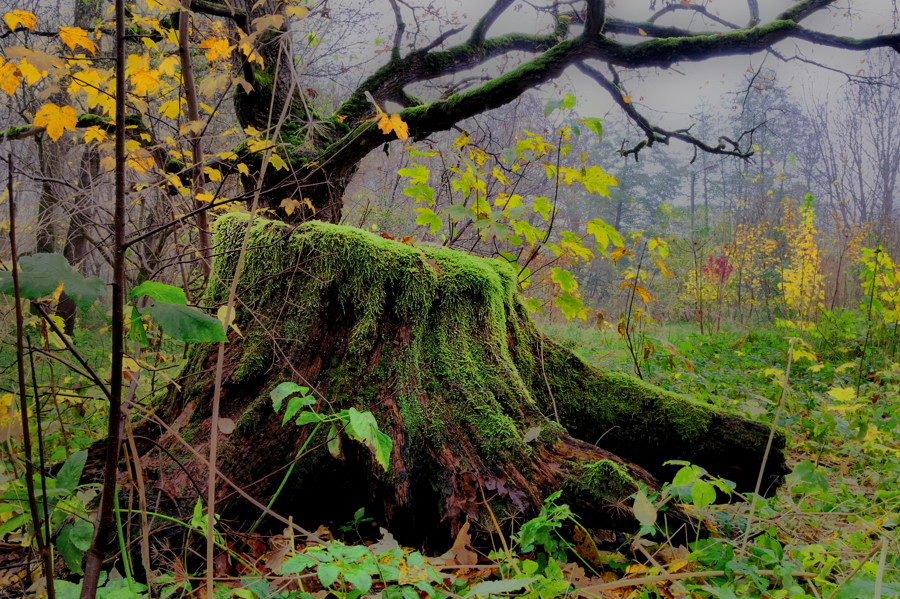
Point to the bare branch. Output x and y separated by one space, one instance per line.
479 33
654 133
595 17
694 8
753 6
398 34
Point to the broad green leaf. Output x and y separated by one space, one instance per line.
458 212
359 578
702 494
333 442
383 447
571 305
70 472
420 193
534 305
41 275
552 105
328 573
70 543
362 427
564 279
186 323
568 101
283 390
543 206
306 417
685 476
295 404
428 218
418 174
136 331
160 292
14 523
496 587
595 125
643 510
297 563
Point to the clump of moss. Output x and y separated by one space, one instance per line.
602 481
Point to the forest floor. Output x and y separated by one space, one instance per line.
830 532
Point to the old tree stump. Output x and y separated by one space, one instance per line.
437 345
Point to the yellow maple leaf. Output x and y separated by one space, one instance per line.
94 133
204 197
393 123
76 36
20 17
139 159
216 48
56 119
145 81
844 394
10 77
171 109
626 99
169 66
278 162
213 174
30 72
299 12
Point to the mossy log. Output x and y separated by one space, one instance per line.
437 345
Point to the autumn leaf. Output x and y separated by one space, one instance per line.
144 78
216 48
139 159
641 31
145 81
626 99
278 162
94 133
267 22
393 123
172 108
299 12
31 73
41 60
76 36
20 17
10 77
56 119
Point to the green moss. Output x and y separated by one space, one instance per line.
601 481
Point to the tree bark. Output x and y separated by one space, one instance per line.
437 345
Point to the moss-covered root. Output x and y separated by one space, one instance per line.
649 425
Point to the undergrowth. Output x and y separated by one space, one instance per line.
829 532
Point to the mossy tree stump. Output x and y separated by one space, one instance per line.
437 345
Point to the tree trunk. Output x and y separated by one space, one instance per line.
437 345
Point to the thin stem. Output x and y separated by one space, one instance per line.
20 371
105 515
